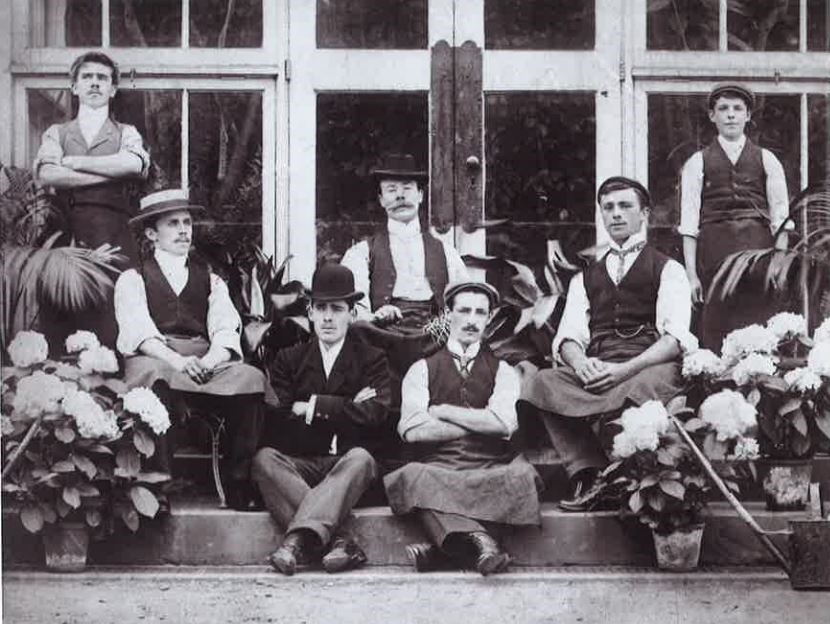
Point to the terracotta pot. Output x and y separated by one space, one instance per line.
680 550
65 546
786 483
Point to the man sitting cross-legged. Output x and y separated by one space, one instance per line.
314 466
625 323
457 416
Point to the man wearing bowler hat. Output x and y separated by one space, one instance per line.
315 462
733 197
179 333
403 268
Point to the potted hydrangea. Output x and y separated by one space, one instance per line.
76 445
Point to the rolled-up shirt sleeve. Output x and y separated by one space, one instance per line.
223 322
132 142
135 325
50 150
778 199
673 313
356 259
574 323
414 398
456 269
691 187
502 402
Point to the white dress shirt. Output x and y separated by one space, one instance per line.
135 325
329 355
673 309
91 120
407 247
415 392
691 187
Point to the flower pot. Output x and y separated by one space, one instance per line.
810 554
786 483
679 550
65 546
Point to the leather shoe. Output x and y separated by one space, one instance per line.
589 494
425 557
293 552
490 557
344 555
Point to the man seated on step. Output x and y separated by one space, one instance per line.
624 327
180 333
334 397
457 416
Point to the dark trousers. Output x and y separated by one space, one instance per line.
313 493
449 531
579 441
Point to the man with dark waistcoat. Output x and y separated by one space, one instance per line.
180 335
315 462
733 197
624 327
457 417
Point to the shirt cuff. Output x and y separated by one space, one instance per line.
309 410
687 231
230 340
688 342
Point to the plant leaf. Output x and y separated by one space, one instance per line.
63 466
72 497
656 500
62 508
130 518
800 422
64 434
100 448
93 517
143 443
693 424
85 465
49 513
32 518
128 461
152 477
635 502
87 490
673 488
822 420
144 500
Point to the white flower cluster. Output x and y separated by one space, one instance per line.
751 339
6 426
787 325
819 359
28 348
144 403
98 360
81 340
92 420
822 333
803 379
702 362
746 448
729 414
642 427
751 366
38 393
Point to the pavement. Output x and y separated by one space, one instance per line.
184 595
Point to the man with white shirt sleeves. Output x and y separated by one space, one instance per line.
625 324
180 334
733 197
403 268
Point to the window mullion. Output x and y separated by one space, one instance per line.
185 138
723 31
185 24
105 23
802 26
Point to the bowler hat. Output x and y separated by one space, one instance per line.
616 183
473 286
398 167
162 202
333 282
734 89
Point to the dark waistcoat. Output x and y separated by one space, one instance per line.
447 385
110 194
185 314
382 273
733 191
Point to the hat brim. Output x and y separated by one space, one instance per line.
350 297
398 174
155 213
480 287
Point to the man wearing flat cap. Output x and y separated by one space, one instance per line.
733 197
458 413
179 333
624 327
403 269
315 462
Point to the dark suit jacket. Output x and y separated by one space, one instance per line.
297 373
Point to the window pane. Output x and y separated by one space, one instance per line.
399 24
226 24
762 25
682 24
818 25
540 173
353 132
819 143
145 23
225 166
65 23
539 24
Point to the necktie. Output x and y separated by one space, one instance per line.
621 254
465 363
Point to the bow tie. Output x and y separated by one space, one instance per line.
621 254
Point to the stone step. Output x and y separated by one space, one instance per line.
197 533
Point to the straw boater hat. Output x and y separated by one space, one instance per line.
473 286
398 167
733 89
161 202
333 282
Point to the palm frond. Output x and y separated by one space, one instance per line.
734 268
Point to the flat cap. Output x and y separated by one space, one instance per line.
734 89
473 286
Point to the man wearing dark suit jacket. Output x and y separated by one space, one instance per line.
314 467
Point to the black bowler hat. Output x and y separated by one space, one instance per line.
734 89
162 202
618 183
333 282
398 167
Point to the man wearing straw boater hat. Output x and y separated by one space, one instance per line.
180 333
314 465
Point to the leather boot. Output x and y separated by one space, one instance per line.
295 550
344 555
425 557
490 557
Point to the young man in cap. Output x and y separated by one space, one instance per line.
733 197
314 466
403 268
457 417
180 333
624 327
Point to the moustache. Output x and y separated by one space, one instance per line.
470 327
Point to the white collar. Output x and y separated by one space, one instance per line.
404 230
732 146
89 115
631 241
455 347
169 261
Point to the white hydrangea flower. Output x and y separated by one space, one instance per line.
819 359
642 428
822 333
28 348
624 446
98 360
787 325
91 419
38 393
702 362
145 403
751 339
6 426
803 379
80 340
751 366
746 448
729 414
